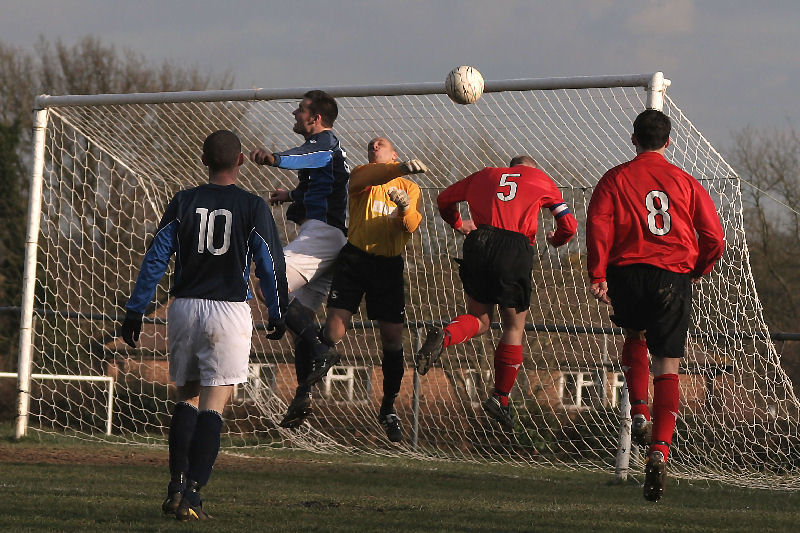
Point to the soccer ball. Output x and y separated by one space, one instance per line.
464 85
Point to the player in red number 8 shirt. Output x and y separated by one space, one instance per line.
497 264
651 229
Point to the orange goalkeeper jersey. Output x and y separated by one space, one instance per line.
375 226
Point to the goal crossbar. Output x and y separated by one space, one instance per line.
654 81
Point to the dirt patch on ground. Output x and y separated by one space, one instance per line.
105 455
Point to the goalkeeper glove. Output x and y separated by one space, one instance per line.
414 166
399 197
131 328
276 329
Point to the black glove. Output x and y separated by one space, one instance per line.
131 328
277 329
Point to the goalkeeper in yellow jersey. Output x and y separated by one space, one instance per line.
383 214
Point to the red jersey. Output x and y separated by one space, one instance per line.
650 211
510 199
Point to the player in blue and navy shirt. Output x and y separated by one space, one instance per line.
318 205
215 231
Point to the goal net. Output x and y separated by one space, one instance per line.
109 164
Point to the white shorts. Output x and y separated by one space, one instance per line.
312 255
209 341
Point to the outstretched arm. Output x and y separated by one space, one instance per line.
365 176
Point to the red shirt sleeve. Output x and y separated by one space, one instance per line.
710 237
599 230
566 224
448 200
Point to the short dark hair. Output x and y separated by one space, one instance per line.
523 160
221 150
324 105
651 129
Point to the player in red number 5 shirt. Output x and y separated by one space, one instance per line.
651 229
497 264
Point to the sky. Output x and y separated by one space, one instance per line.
732 63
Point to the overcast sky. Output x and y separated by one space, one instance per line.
731 62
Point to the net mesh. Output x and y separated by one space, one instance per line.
110 171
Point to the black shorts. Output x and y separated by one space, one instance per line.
497 267
357 273
654 300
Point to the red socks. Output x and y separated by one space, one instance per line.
507 360
636 368
665 411
461 329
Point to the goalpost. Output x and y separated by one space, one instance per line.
105 166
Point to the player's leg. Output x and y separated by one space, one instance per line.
300 406
474 323
301 322
305 349
309 268
222 354
314 253
636 369
631 302
665 415
473 270
305 356
666 402
181 333
507 361
381 279
508 354
393 368
671 297
203 449
461 329
181 429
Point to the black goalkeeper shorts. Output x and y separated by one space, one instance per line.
497 267
654 300
358 274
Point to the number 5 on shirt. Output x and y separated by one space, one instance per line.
512 187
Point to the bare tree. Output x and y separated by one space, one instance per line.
53 67
769 162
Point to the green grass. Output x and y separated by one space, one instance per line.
56 484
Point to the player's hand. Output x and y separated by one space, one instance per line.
261 156
131 328
467 226
399 197
278 196
276 329
549 239
600 292
414 166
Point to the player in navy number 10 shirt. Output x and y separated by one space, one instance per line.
215 231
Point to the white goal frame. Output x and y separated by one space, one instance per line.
655 84
104 166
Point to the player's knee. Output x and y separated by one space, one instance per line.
634 334
298 316
485 323
392 347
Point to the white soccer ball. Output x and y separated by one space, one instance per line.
464 85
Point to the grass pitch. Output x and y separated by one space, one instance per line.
55 484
